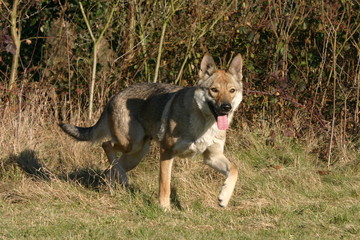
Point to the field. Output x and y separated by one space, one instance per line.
295 138
52 187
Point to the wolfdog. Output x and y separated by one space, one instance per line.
186 121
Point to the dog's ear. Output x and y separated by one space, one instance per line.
236 67
207 67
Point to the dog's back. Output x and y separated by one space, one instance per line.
137 102
186 121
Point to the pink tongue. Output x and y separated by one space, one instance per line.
222 122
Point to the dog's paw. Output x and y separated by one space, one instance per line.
223 202
117 175
165 205
166 208
224 196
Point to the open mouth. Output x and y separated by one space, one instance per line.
221 118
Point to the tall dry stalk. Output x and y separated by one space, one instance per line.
171 11
357 84
158 59
131 31
15 35
95 50
143 18
356 44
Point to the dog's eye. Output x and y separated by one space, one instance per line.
232 90
214 90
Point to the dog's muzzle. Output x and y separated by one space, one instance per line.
220 114
225 108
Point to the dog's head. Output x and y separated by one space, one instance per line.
221 89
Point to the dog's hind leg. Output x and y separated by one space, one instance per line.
117 172
215 158
127 161
130 160
128 137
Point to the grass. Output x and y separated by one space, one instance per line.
52 188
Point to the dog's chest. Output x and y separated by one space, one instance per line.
185 147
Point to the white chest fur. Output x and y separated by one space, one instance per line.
185 147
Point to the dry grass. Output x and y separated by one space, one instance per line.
52 187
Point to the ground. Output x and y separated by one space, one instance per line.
52 187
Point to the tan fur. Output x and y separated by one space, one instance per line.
182 120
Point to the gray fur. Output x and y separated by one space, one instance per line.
182 120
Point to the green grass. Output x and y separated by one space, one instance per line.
280 194
65 211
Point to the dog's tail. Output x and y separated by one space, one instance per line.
91 134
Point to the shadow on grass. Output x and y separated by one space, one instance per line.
31 164
89 178
175 199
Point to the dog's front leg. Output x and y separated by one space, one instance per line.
166 160
215 158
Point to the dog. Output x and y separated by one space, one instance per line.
186 121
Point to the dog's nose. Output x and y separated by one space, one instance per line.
226 107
